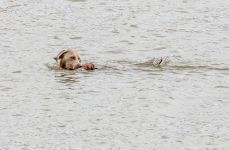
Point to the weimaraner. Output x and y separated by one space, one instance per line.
70 59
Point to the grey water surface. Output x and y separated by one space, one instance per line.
126 104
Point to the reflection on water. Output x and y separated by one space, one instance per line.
67 78
134 100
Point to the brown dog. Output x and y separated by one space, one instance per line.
70 59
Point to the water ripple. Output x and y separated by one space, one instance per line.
132 97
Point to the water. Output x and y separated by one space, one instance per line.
127 103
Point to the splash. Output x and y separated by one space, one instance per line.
155 62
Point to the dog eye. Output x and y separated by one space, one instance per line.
73 57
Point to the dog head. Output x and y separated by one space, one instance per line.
68 59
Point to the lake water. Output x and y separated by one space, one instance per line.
126 104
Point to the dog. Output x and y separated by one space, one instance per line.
70 59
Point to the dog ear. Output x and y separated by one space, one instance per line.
60 55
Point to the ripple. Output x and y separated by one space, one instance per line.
46 109
75 38
126 41
77 0
6 89
131 92
67 78
196 67
18 71
134 26
160 48
56 38
222 87
17 115
11 6
115 51
115 31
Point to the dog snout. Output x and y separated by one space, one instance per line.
76 66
